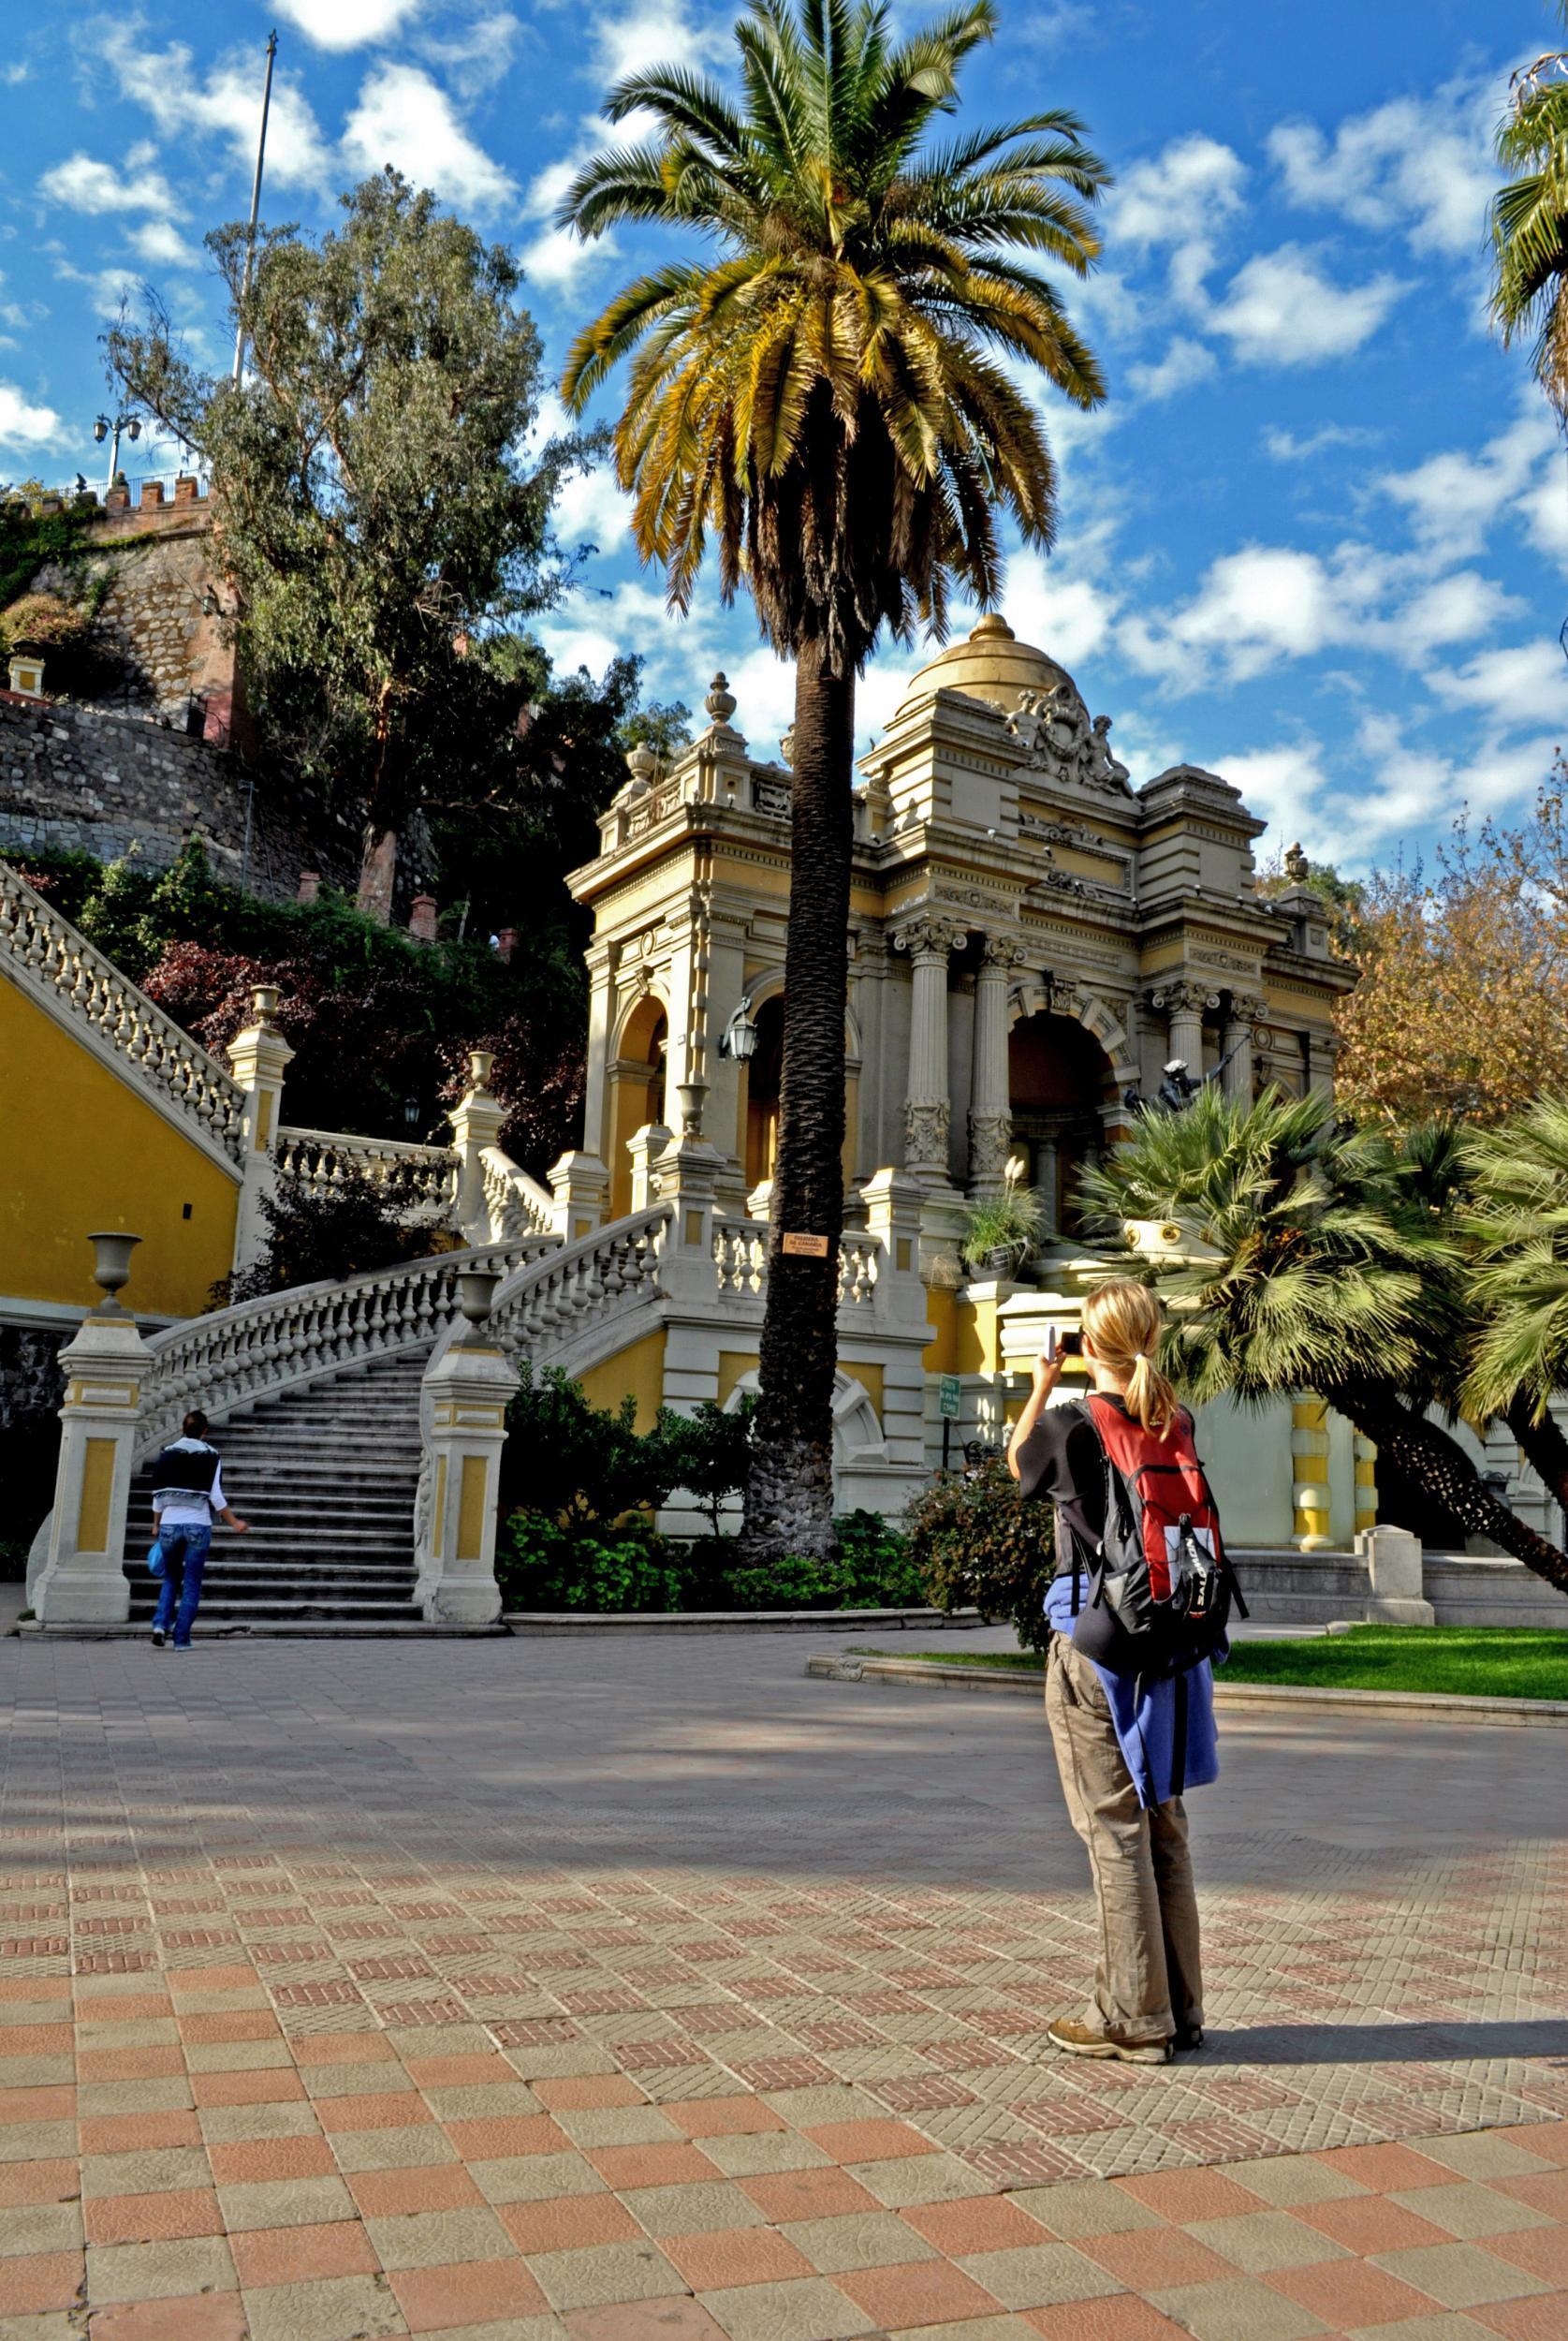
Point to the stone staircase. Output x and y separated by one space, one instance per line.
327 1478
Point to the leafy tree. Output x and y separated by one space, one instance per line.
827 393
980 1546
1462 1005
321 1234
710 1454
1344 898
374 512
1323 1258
1530 222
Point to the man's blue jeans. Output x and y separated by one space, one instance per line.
184 1563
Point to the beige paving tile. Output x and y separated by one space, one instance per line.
41 2227
548 2328
149 2173
1286 2179
1468 2209
382 2077
153 2272
482 2102
396 2149
806 2309
248 2204
1478 2154
859 2239
1257 2240
1460 2275
809 2109
1237 2309
1003 2328
169 2093
1036 2274
439 2239
696 2209
748 2154
335 2309
604 2273
618 2126
534 2177
223 2125
36 2142
1443 2325
237 2056
917 2178
59 2325
1085 2207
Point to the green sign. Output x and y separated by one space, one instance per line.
950 1402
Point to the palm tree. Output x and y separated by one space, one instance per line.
830 391
1530 223
1323 1258
1516 1223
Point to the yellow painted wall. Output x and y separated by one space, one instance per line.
80 1150
941 1353
733 1363
639 1369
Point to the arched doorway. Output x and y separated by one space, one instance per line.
1059 1079
637 1079
763 1072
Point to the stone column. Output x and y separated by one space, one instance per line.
1184 1002
645 1146
1365 1484
258 1058
1245 1012
1047 1184
580 1183
688 1174
1394 1568
106 1364
1309 1447
928 1110
601 1019
476 1120
466 1392
990 1107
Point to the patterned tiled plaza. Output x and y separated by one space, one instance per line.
649 1991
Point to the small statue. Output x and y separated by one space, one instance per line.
1297 868
1178 1089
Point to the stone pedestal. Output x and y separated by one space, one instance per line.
465 1395
82 1580
579 1184
1393 1558
259 1057
892 1203
689 1172
645 1146
476 1122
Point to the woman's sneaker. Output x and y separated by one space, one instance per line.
1082 2040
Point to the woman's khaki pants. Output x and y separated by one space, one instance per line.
1149 1981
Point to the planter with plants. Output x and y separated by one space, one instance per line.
1001 1230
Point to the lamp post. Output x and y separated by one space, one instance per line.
738 1038
104 429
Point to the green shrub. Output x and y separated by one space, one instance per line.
979 1546
794 1583
881 1568
583 1465
545 1564
710 1452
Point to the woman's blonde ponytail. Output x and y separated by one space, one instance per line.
1122 1319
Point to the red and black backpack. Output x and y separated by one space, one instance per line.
1162 1588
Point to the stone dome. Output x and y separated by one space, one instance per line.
990 664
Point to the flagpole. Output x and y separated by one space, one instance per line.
255 208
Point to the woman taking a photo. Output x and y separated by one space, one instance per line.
1126 1745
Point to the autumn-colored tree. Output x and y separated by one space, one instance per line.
1462 1005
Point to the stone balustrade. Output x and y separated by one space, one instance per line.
740 1262
322 1158
48 955
576 1284
515 1205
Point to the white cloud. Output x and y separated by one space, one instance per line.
162 245
346 23
1281 310
1290 446
559 258
592 509
86 184
653 32
1282 784
1454 500
1185 363
228 101
474 58
1254 608
23 424
1422 166
1180 200
404 118
1525 685
1463 608
1063 614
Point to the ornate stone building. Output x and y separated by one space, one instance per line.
1032 937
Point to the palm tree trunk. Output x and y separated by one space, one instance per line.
1439 1465
789 1493
1543 1445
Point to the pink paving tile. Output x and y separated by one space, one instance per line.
272 2085
468 2292
978 2223
1369 2224
430 2187
567 2223
342 2048
39 2282
574 2093
723 2117
1550 2139
1155 2258
869 2141
1543 2318
925 2292
151 2063
648 2166
1548 2192
38 2182
302 2255
391 2109
727 2257
1385 2169
1541 2252
645 2321
786 2195
152 2217
38 2105
1348 2292
238 2023
1189 2194
270 2157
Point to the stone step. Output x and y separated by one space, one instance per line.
241 1610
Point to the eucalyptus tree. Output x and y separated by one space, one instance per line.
1324 1258
374 507
833 390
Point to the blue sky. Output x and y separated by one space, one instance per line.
1315 540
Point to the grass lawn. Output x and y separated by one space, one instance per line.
1500 1662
